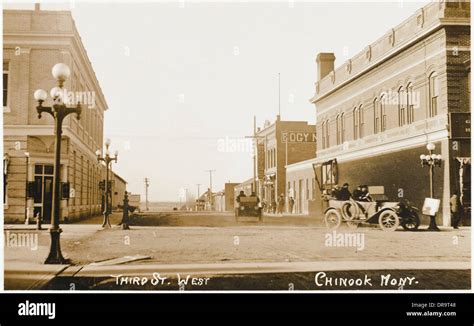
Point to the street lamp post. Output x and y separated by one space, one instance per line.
107 159
58 111
147 184
431 160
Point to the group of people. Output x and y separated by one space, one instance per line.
361 193
276 206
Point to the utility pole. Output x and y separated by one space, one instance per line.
198 201
198 185
147 184
210 186
254 138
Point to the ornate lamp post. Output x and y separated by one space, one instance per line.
107 159
431 160
58 111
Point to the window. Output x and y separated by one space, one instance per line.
5 83
383 114
361 121
340 128
307 189
410 105
325 134
355 118
88 184
74 175
82 181
6 161
434 92
401 107
376 117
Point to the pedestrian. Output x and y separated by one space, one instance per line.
274 206
291 204
455 206
281 204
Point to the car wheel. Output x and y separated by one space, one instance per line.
389 220
332 219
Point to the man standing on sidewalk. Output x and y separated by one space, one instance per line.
455 206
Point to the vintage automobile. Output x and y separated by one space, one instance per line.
388 215
248 206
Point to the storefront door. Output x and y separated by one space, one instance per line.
43 197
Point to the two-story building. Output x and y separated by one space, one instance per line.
33 42
377 112
279 144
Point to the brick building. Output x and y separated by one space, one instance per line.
33 42
376 113
279 144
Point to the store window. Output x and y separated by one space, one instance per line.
434 92
6 70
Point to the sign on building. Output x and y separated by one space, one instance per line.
460 123
298 137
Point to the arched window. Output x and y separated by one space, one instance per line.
325 134
340 128
383 113
401 107
361 121
376 116
355 122
434 92
410 104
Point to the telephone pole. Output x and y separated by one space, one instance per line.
198 185
210 186
147 184
254 138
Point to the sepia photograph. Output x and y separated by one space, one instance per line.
237 146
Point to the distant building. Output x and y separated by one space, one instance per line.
224 200
245 186
376 113
33 42
119 186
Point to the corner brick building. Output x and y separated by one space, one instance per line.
33 42
377 112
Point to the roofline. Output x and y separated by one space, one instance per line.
439 24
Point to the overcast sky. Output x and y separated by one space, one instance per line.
180 76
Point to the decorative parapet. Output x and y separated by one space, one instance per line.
421 22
